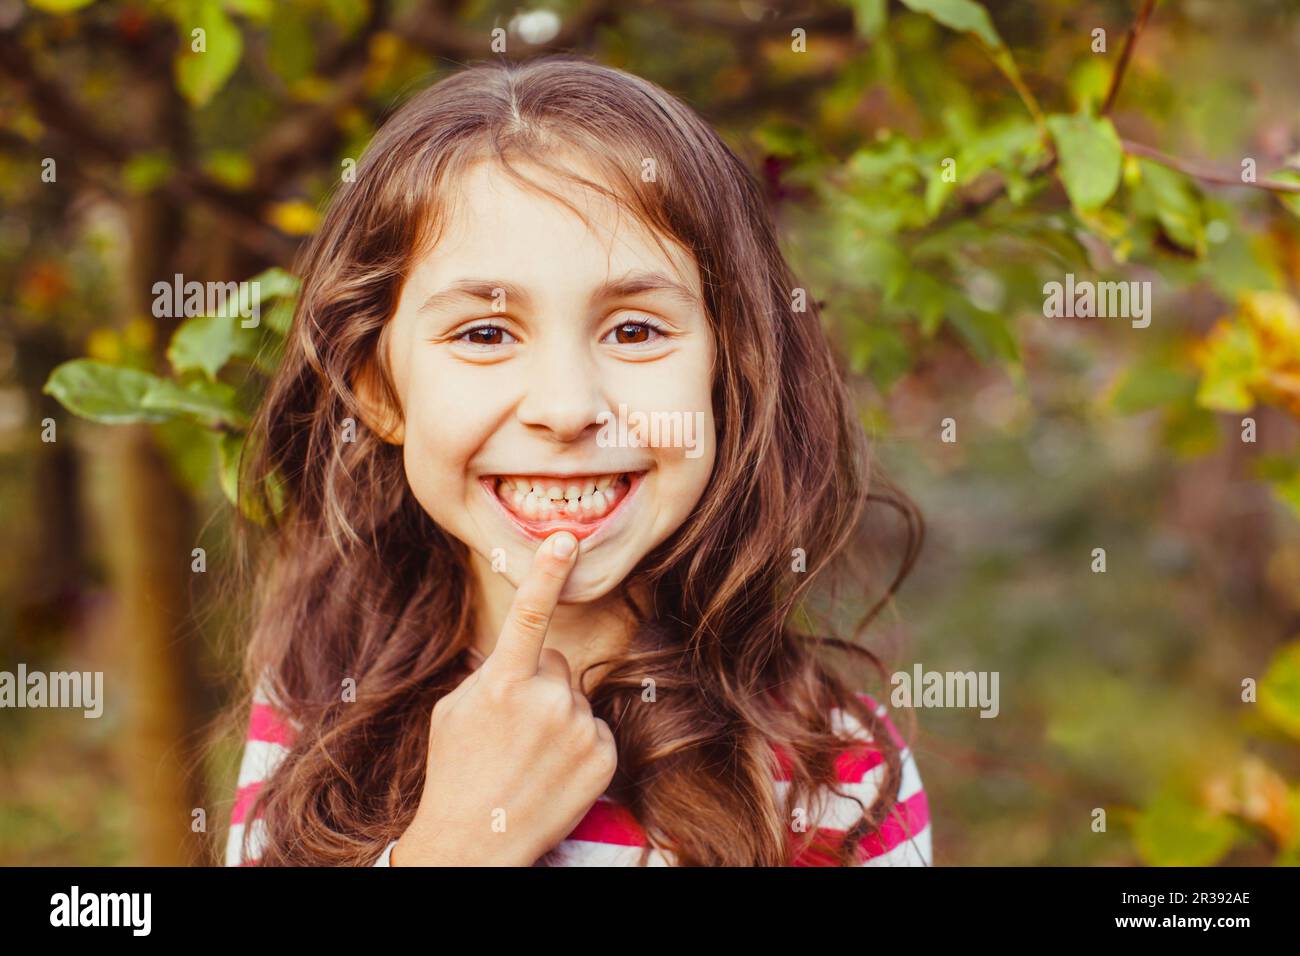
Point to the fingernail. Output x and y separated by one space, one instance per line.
563 544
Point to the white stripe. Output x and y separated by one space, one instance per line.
256 842
259 760
845 724
586 853
840 812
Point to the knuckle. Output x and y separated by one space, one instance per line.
555 699
605 758
531 619
496 693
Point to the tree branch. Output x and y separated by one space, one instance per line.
1126 53
1203 173
68 124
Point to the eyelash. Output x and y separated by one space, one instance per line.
645 322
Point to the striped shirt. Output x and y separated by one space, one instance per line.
610 836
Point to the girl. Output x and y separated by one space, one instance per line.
561 461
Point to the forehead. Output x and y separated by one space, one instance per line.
496 225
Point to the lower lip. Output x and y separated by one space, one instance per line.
541 530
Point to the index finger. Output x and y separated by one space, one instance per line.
519 646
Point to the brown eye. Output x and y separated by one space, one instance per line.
485 336
633 333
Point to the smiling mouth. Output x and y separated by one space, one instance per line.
544 504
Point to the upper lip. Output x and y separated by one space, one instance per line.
562 475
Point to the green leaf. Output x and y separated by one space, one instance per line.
964 16
229 167
146 171
1231 364
1290 200
274 283
987 334
232 448
279 317
206 403
206 343
1173 831
1091 158
1189 430
59 6
1172 200
869 16
190 450
109 394
1279 691
1152 384
881 351
200 75
1287 491
259 10
785 139
291 46
348 14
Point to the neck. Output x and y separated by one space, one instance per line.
583 633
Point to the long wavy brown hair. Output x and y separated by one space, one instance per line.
358 582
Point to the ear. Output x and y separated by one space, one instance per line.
376 411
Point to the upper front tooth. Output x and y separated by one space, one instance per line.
555 491
573 492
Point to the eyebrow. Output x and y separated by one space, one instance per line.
627 286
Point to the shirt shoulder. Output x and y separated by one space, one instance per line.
270 734
904 837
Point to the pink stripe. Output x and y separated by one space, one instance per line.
244 798
607 822
265 724
784 768
850 766
905 821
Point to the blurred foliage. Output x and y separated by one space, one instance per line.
933 165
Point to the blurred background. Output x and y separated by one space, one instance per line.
932 164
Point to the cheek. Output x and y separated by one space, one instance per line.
442 435
684 474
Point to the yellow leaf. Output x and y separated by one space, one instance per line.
294 217
104 345
139 334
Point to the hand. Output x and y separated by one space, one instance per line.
516 757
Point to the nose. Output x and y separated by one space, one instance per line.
562 393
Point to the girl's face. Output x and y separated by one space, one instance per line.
554 374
